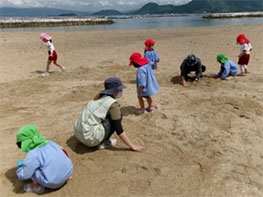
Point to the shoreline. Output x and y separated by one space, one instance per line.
232 15
37 22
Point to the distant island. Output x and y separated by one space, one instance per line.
107 13
193 7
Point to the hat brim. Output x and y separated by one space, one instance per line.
113 91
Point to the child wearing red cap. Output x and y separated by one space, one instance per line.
244 55
150 53
52 54
146 82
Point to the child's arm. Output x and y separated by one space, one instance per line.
141 80
183 73
226 71
30 164
199 71
157 57
140 90
241 54
183 81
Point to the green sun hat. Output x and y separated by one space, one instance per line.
222 58
30 138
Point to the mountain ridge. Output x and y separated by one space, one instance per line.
193 7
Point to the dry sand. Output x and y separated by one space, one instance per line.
203 140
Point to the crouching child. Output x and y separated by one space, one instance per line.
46 163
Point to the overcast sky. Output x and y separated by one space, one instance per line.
87 5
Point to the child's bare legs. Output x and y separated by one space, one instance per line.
246 71
149 101
141 102
55 62
242 69
45 74
61 67
142 109
48 65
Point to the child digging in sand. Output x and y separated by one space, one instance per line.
228 68
191 64
244 55
46 163
147 84
52 54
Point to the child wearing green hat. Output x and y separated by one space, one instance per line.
228 67
46 163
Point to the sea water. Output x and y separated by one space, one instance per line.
149 22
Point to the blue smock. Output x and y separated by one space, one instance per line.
146 78
153 57
47 165
228 68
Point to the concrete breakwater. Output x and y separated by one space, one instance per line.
233 15
52 22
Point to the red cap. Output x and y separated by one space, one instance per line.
242 39
149 42
137 57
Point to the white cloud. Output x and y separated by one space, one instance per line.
87 5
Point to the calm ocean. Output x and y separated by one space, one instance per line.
165 22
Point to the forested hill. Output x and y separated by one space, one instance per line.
200 6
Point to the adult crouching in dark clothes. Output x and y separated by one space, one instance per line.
191 64
102 117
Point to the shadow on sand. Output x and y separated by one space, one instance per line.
128 110
19 185
176 80
75 145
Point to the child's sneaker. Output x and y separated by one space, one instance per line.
45 74
140 111
62 68
107 144
149 109
230 77
34 187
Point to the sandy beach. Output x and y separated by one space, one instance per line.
201 140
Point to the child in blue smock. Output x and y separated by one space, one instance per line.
151 54
46 163
228 67
146 82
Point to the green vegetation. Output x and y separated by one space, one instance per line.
200 6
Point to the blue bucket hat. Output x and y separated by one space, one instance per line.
113 85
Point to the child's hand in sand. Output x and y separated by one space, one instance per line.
19 164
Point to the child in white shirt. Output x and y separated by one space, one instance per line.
244 55
52 54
